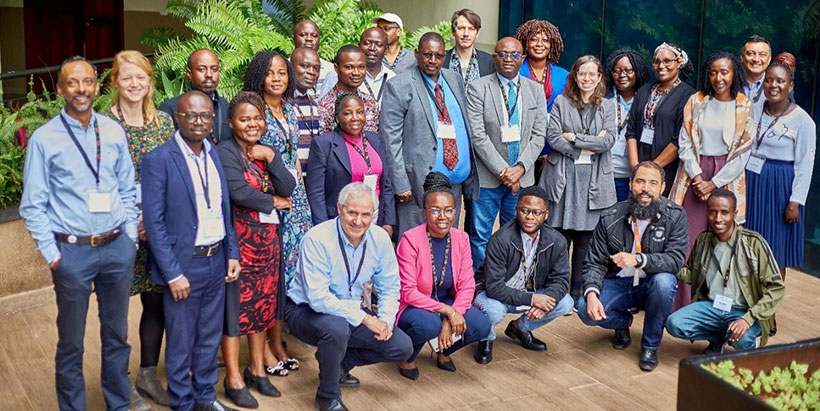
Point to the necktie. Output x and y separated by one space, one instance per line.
450 146
514 147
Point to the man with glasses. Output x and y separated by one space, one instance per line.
396 58
508 119
526 271
194 250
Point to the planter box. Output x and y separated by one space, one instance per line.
699 389
22 268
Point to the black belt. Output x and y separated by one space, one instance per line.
96 240
207 250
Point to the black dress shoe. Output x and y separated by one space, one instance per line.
213 406
649 359
241 397
262 384
484 352
446 366
622 340
412 374
328 404
714 348
524 338
348 380
772 331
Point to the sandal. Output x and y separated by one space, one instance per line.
278 371
292 364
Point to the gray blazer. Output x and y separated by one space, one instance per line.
407 125
485 108
565 118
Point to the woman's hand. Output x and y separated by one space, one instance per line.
792 214
445 337
568 136
456 321
282 203
260 153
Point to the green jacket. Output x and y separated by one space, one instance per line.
758 276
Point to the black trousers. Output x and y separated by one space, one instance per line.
579 240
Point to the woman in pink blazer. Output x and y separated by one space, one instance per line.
437 283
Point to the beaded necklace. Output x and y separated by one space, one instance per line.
438 278
655 98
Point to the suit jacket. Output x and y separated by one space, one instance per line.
416 272
485 62
408 124
170 215
329 170
485 108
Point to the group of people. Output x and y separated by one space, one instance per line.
279 210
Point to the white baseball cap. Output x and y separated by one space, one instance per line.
391 17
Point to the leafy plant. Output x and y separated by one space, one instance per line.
782 388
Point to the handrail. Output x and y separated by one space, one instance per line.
42 70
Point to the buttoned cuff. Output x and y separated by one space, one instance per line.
592 290
50 253
174 279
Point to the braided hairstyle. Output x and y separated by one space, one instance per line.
637 61
246 97
705 86
533 27
257 71
436 182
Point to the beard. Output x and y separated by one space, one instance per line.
641 212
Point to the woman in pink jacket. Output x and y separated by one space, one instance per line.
437 283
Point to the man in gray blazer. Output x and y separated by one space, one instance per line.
508 118
424 122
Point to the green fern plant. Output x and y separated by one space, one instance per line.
411 41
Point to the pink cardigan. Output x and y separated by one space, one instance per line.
416 272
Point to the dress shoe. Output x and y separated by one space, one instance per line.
348 380
649 359
148 385
241 396
214 405
329 404
524 338
262 384
137 402
484 352
412 373
622 340
446 365
714 348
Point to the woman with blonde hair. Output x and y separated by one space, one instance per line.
132 84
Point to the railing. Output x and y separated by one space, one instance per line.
50 69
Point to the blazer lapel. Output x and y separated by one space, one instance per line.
527 103
421 90
185 173
340 151
497 102
456 85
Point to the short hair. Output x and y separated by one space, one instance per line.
573 92
648 164
533 27
755 38
436 182
471 16
430 37
534 191
74 59
258 69
246 97
723 193
341 98
738 78
191 56
357 191
784 66
196 93
347 48
638 62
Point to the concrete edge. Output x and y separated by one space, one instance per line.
15 303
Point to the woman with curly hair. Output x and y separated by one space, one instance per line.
656 115
714 146
625 72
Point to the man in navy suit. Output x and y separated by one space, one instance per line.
187 217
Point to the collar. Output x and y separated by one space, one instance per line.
384 70
429 81
526 237
506 81
344 236
350 139
187 150
310 91
73 122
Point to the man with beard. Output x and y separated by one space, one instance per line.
736 285
373 43
194 250
79 201
306 66
351 66
636 247
306 34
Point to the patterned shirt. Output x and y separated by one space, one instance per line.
307 114
471 73
327 111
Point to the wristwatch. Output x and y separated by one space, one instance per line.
638 260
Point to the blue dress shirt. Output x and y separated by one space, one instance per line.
462 169
322 280
56 182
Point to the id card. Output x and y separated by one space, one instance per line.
647 135
755 164
446 131
270 218
722 303
371 180
585 157
510 134
99 202
138 186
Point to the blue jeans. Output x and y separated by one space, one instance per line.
654 294
622 188
496 311
422 325
491 202
700 321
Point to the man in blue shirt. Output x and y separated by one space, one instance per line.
79 199
325 306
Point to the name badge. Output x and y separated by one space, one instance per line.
371 180
446 131
585 157
510 134
138 186
99 202
269 218
647 135
722 302
755 164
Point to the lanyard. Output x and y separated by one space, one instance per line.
771 124
381 88
433 96
347 264
636 231
517 87
282 129
365 155
585 127
204 182
656 97
621 124
438 275
759 92
716 261
392 66
305 121
96 172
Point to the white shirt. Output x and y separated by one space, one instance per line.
635 271
375 82
210 224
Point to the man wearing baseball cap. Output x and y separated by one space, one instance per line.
396 58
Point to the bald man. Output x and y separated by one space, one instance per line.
306 33
373 42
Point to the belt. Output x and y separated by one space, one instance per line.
207 250
96 240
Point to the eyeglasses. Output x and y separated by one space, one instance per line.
503 55
667 62
429 56
448 212
535 213
590 74
190 117
389 28
618 73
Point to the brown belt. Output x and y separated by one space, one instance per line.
96 240
207 250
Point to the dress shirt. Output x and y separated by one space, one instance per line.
469 73
57 183
462 169
322 281
374 82
325 68
307 112
519 280
211 226
754 91
327 111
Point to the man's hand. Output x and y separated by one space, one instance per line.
515 187
535 313
511 175
737 329
180 288
141 229
55 263
381 331
233 271
260 152
405 196
595 309
543 302
282 203
543 161
389 229
624 260
445 337
792 214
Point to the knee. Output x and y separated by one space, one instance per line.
480 325
581 306
674 325
664 283
493 309
334 331
423 329
401 347
564 305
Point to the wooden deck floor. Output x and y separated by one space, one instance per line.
580 371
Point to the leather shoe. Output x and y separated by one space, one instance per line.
328 404
622 340
262 384
214 405
241 396
649 359
524 338
714 348
484 352
412 373
446 366
348 380
148 385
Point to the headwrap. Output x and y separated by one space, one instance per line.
679 53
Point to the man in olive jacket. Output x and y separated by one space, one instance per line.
526 270
735 281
